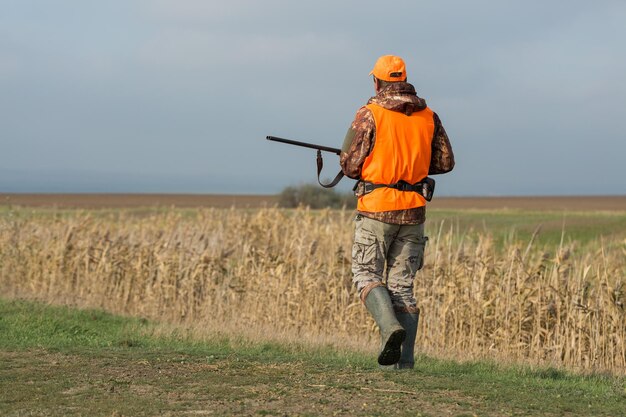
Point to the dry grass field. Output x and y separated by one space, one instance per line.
285 275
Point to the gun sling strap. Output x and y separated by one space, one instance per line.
320 165
425 187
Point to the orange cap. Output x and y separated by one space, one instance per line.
389 68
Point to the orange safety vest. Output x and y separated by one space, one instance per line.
401 152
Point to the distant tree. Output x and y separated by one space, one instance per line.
315 197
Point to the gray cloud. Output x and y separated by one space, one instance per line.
531 93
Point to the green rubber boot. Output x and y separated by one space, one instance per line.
409 321
392 334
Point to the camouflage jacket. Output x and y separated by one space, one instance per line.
361 137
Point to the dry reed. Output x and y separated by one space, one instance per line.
288 272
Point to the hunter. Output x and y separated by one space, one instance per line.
393 144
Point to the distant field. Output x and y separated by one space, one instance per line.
89 201
569 203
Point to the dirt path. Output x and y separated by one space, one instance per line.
130 384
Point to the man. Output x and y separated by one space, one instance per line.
394 142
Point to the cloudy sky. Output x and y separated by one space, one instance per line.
178 96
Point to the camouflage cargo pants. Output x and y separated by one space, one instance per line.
388 253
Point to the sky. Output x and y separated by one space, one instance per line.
178 96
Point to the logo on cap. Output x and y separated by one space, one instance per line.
389 68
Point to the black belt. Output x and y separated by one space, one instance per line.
425 187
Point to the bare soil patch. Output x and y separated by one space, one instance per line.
123 383
94 201
91 201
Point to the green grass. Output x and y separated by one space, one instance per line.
64 361
547 227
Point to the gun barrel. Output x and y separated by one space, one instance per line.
304 144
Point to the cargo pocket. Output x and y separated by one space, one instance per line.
364 249
367 258
416 260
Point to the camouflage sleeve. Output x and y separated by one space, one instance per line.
442 158
358 143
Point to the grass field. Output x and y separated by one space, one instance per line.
57 361
525 299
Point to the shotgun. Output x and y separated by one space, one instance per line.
320 161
